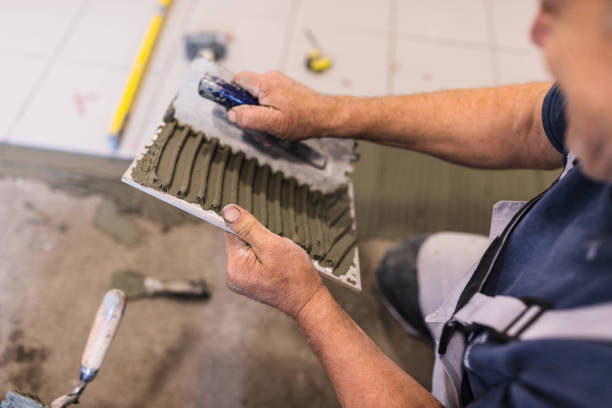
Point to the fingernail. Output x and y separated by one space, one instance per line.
231 116
231 214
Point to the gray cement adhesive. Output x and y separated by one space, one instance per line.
109 220
188 165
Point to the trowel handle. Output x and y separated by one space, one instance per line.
224 93
102 333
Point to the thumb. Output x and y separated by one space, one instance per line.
245 226
262 118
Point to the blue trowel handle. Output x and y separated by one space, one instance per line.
224 93
229 95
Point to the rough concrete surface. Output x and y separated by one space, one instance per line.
55 267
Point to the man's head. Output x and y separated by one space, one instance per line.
576 39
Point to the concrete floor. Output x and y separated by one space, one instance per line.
55 266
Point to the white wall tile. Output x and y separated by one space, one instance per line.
35 27
109 33
512 23
276 10
19 75
254 42
72 110
360 14
423 67
452 20
360 61
519 68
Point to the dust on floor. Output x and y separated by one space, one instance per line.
55 266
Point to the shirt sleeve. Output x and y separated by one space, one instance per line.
553 118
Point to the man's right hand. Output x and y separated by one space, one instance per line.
288 109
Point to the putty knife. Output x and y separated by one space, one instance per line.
136 285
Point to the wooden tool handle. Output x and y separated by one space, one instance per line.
102 333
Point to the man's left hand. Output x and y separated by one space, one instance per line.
266 267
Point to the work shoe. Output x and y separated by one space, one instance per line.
398 288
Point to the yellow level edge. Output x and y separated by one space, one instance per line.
138 69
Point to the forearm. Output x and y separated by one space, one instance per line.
488 128
362 375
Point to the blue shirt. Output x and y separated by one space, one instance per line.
561 252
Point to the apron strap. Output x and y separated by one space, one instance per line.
506 319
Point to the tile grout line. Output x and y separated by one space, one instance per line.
493 49
47 68
20 54
289 33
430 40
525 52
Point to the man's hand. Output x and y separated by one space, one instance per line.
265 267
289 110
275 271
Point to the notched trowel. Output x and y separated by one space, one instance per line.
199 162
229 95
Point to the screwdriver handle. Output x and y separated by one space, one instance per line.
102 333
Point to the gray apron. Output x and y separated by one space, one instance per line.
503 318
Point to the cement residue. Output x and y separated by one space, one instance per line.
181 161
23 360
199 171
230 179
130 282
260 186
83 175
214 184
275 221
120 227
246 184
